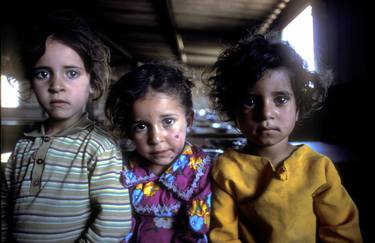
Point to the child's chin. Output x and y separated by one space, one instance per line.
263 143
163 162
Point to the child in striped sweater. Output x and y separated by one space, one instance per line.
62 182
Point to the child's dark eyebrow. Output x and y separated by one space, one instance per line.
67 66
273 93
72 66
138 121
41 67
282 93
168 115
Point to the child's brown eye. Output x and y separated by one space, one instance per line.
41 74
168 121
249 102
281 100
72 74
138 127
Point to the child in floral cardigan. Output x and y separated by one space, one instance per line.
166 175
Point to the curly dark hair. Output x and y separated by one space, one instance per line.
70 29
162 77
241 65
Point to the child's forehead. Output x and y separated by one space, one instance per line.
271 85
67 43
58 53
160 95
155 99
54 39
272 77
157 103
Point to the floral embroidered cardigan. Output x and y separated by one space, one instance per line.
172 207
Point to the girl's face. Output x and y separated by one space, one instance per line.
269 112
61 83
159 128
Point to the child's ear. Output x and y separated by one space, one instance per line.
190 118
297 115
91 91
91 82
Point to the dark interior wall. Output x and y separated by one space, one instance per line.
9 136
343 31
342 45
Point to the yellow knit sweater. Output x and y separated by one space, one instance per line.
299 201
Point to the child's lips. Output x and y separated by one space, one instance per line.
58 102
267 129
160 153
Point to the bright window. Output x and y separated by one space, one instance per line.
9 93
299 33
5 157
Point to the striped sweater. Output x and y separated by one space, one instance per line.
65 188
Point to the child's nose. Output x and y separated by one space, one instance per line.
155 135
56 85
267 111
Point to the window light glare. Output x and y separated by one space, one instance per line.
299 34
202 112
5 157
9 93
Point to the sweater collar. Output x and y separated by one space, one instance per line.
182 176
259 162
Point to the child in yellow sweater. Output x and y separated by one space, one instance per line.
272 191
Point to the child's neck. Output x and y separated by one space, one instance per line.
54 126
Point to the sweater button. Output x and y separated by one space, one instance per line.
36 183
282 173
39 161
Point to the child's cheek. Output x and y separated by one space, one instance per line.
178 136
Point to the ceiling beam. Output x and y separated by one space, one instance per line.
269 21
165 13
114 45
119 48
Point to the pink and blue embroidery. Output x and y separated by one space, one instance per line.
181 194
